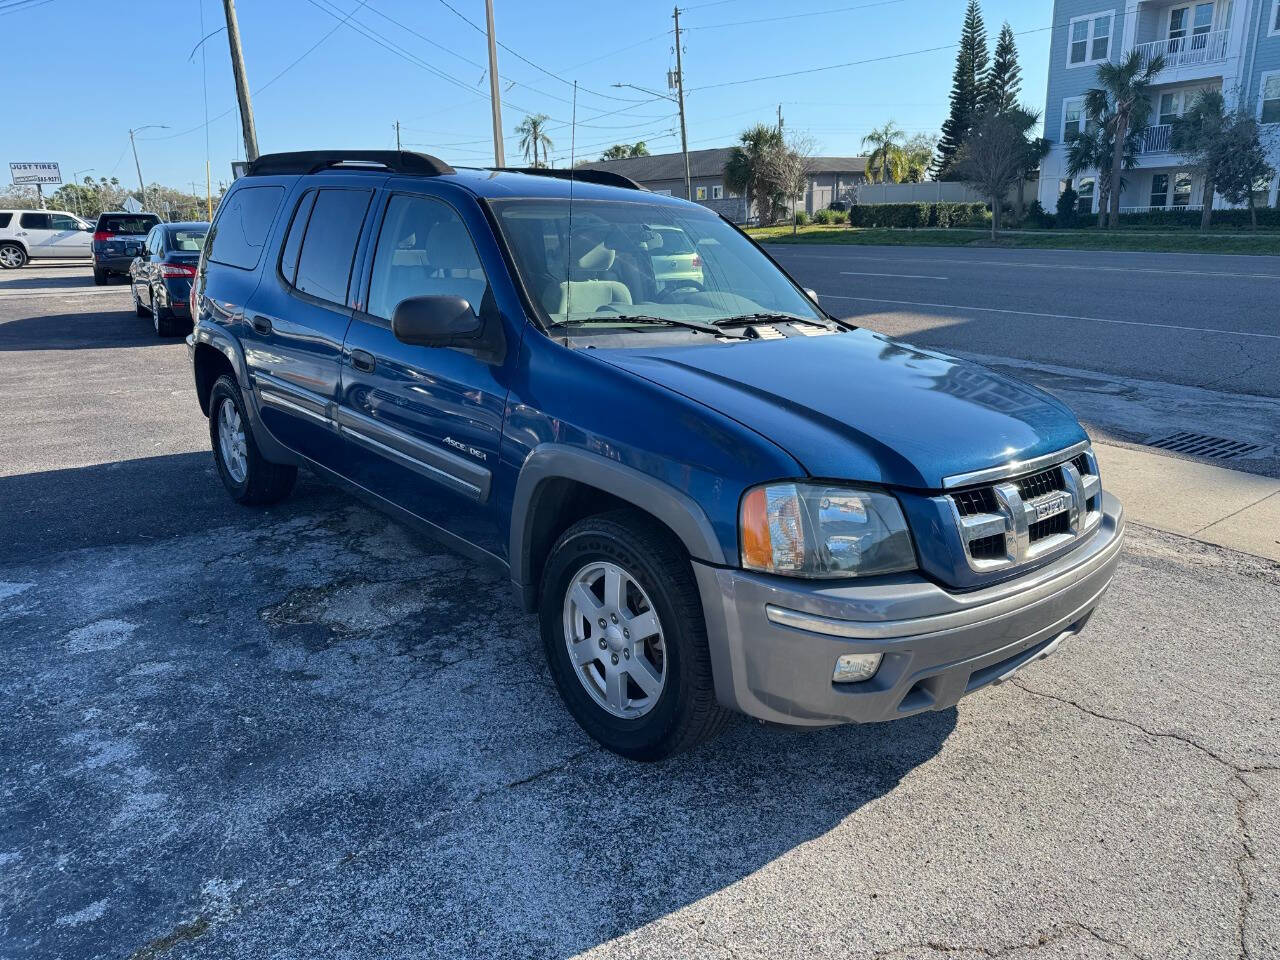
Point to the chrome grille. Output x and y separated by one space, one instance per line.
1017 519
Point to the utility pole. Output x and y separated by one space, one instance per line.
779 118
242 82
684 136
499 157
142 185
397 136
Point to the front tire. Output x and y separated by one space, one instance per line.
625 638
249 477
12 256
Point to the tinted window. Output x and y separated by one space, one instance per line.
60 221
244 219
324 263
34 221
424 250
5 218
129 223
293 242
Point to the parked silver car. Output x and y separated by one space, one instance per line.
39 234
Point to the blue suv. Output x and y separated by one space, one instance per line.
716 497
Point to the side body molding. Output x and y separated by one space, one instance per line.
549 461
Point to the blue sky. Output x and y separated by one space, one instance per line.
126 64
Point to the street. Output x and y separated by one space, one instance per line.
305 731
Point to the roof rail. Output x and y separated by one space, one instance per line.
313 161
602 177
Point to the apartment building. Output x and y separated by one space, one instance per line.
1229 45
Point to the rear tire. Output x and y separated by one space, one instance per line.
162 319
12 256
656 579
99 277
249 477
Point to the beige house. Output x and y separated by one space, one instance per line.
830 179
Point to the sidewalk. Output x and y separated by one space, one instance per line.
1240 511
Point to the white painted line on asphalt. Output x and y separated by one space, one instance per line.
1044 266
46 294
904 276
1055 316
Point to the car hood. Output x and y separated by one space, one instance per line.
860 406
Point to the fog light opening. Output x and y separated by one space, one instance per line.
856 667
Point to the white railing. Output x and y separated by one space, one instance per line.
1187 51
1156 139
1193 207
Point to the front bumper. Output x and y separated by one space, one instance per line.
774 641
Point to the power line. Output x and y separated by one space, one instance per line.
519 56
22 6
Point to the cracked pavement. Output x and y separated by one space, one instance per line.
305 731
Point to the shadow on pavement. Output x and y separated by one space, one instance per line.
127 502
90 329
65 279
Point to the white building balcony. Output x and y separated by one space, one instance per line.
1156 139
1181 53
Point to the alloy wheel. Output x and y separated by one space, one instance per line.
231 441
11 257
615 640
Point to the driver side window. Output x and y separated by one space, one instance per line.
424 249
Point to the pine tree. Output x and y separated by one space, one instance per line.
966 88
1004 82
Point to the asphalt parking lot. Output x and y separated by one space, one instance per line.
303 731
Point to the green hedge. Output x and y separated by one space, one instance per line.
920 215
1267 217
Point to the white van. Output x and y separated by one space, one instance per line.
42 234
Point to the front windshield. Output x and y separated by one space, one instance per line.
645 260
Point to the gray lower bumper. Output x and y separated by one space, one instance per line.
937 646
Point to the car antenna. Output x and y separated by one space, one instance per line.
568 259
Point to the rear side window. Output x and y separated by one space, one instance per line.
293 242
34 221
127 223
329 245
238 236
5 219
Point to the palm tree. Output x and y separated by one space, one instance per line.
533 135
1198 136
884 143
743 169
1124 87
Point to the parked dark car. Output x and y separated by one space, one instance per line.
117 239
160 277
716 496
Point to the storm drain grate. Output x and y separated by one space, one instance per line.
1203 445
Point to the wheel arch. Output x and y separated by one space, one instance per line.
560 485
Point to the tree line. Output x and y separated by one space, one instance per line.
91 197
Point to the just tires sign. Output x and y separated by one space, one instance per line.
34 173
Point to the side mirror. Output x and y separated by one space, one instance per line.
436 322
444 321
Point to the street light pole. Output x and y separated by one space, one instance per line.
142 185
684 141
499 155
75 178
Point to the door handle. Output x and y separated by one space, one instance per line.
260 324
362 360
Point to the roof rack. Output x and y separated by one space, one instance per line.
602 177
313 161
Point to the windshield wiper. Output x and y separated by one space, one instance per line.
641 318
769 318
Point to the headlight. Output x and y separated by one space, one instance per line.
812 530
